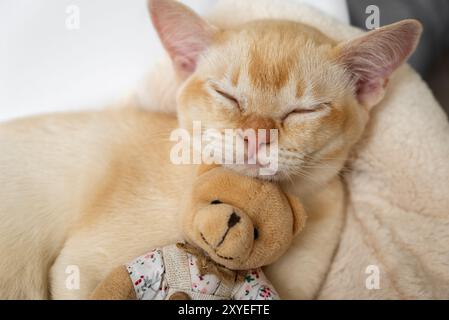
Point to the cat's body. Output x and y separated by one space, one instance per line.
91 203
58 174
80 191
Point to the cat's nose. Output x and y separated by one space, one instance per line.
262 128
261 138
262 133
253 147
264 138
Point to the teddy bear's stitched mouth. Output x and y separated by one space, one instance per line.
204 239
218 255
223 257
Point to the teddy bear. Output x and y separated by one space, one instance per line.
233 225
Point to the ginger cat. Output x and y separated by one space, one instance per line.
81 191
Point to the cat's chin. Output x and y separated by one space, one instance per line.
320 178
255 171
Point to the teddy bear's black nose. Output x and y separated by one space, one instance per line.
233 220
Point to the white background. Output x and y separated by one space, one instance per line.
45 67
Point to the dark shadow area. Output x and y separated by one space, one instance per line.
431 58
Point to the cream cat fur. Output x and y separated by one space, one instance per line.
78 189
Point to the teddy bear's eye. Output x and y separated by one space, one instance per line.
256 233
216 202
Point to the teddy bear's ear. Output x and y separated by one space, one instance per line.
205 168
299 214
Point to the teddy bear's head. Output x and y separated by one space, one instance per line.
240 222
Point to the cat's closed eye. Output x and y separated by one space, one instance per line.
304 111
228 97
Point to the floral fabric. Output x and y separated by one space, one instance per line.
148 275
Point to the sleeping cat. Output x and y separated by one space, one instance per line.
80 191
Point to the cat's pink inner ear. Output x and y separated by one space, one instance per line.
183 33
372 57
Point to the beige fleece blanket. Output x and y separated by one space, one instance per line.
398 189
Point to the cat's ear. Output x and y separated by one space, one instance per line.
183 33
372 57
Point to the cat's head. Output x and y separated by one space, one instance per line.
282 75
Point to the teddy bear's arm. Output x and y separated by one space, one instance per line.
116 286
254 285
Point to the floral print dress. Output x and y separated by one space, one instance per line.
161 272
